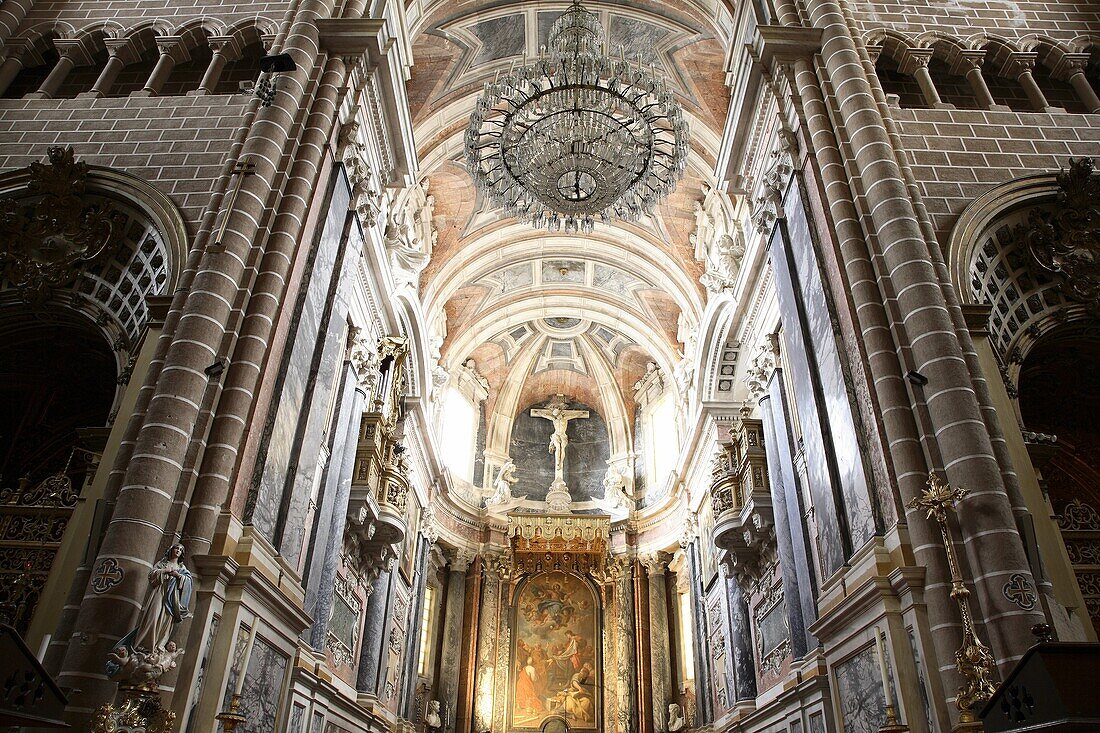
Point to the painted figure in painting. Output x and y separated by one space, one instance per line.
554 660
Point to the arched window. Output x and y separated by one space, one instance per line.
459 434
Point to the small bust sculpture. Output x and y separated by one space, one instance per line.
675 718
432 718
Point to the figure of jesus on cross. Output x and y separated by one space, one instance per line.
557 411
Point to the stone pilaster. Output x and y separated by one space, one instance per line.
485 665
740 641
660 659
795 559
374 637
625 669
451 649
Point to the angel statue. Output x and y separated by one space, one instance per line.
502 487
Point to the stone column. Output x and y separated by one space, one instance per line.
332 513
451 648
1019 67
71 53
900 259
13 63
118 56
624 672
375 643
969 64
744 665
417 616
172 51
915 62
485 664
704 709
1072 69
660 657
223 50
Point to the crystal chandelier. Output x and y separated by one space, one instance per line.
577 136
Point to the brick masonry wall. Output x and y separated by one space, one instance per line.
958 155
965 18
178 144
126 13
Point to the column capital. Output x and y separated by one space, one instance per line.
1069 65
967 60
1018 64
228 47
121 48
22 49
175 47
912 59
75 50
656 563
460 559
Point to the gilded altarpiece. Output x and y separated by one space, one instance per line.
560 648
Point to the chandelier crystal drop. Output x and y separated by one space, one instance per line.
577 136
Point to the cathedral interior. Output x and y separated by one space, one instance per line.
548 366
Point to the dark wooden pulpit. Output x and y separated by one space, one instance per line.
1054 687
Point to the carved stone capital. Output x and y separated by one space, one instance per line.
656 563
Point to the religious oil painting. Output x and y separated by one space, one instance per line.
555 657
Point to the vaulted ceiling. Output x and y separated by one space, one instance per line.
625 291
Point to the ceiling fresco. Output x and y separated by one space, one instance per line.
498 287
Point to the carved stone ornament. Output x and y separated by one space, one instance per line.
47 234
1066 238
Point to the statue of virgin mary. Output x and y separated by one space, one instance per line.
167 603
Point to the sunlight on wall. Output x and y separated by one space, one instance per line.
459 435
662 437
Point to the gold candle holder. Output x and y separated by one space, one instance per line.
973 659
231 718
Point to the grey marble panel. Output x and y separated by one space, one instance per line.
585 456
744 666
639 38
773 627
831 545
562 271
859 689
295 380
500 38
328 536
794 553
261 695
546 19
838 404
324 377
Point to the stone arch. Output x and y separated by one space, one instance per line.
718 351
112 291
989 265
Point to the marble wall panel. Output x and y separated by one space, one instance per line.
500 38
639 39
585 457
296 378
838 405
831 543
859 690
261 696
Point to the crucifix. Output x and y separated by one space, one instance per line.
557 412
